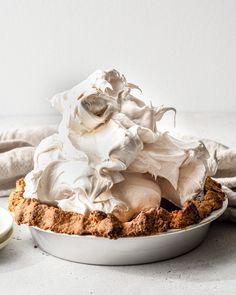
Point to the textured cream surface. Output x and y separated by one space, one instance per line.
109 155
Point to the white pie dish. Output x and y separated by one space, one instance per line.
124 251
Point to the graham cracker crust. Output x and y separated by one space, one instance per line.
97 223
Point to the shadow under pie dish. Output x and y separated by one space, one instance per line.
101 238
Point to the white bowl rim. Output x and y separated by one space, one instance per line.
9 221
10 235
214 215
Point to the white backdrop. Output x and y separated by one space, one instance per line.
181 53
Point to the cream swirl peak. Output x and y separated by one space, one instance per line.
108 154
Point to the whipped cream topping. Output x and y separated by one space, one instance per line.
108 154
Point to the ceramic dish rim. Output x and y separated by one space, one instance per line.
9 237
9 222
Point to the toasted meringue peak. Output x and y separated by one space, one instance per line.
108 154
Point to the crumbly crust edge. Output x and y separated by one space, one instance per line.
153 221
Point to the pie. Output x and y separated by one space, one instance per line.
109 171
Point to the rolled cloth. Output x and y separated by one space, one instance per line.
16 153
17 149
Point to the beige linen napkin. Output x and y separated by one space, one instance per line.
17 148
16 153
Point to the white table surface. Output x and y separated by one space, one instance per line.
209 269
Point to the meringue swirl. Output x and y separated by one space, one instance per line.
108 154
